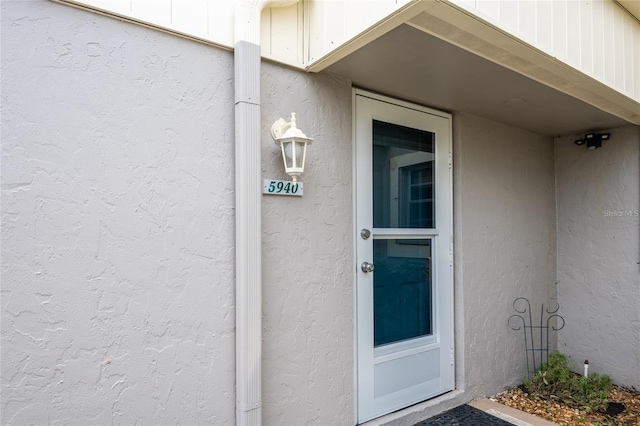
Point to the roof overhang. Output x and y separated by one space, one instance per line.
475 67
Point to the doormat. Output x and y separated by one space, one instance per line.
464 415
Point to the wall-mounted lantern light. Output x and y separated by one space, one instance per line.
593 140
293 144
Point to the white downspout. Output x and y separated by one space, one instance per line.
248 209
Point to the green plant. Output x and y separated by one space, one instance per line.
555 380
593 391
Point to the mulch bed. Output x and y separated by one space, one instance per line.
555 411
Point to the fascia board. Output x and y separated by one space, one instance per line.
399 17
631 6
470 32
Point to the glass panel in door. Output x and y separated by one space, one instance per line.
403 177
402 291
403 190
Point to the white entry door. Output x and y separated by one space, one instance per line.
404 288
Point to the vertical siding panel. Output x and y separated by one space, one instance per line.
283 36
467 4
334 26
378 9
573 34
636 64
527 20
490 8
157 11
190 16
265 31
608 43
300 32
316 28
629 53
560 26
598 40
509 15
354 11
220 21
586 37
618 52
544 27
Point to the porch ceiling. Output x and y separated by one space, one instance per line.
412 65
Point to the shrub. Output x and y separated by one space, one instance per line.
555 380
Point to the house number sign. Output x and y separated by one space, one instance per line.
281 187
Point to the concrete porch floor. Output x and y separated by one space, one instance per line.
509 414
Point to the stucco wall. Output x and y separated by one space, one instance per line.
117 242
599 253
504 242
307 256
117 232
117 238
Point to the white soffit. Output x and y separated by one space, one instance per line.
463 29
410 64
475 35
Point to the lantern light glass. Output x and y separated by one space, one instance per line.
288 150
293 144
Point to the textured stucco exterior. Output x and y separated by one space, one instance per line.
599 253
118 226
118 236
505 242
118 251
307 257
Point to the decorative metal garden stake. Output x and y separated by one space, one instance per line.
528 328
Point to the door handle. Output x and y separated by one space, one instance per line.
366 267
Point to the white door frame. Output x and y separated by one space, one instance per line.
444 255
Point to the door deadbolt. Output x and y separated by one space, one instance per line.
365 234
366 267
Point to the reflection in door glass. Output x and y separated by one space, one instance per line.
402 290
403 177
